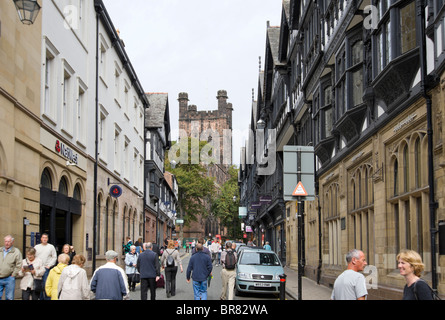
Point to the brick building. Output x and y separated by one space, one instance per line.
214 126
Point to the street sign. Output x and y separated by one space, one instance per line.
299 191
298 166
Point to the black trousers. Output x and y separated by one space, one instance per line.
170 280
148 283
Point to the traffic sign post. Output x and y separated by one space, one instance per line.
299 185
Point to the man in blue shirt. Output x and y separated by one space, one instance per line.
199 268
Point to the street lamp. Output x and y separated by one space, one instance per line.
27 10
261 124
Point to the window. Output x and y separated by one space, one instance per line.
396 178
103 134
417 164
45 180
126 158
361 209
49 83
63 186
68 99
357 72
117 149
394 37
408 27
117 84
333 223
408 219
81 113
341 85
405 169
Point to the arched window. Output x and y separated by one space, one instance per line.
76 193
417 164
45 180
405 169
99 201
107 207
396 178
63 186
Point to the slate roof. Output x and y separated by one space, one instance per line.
155 114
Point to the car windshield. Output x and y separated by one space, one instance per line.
259 258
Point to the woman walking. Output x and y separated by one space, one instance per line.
73 282
170 261
131 259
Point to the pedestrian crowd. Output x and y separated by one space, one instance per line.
47 276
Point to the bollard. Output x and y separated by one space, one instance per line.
282 287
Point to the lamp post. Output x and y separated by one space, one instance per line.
27 10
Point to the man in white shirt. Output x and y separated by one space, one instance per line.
47 253
351 285
214 249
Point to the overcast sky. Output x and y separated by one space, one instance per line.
198 47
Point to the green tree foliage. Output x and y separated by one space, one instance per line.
225 206
194 186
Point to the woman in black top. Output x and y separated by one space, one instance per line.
410 266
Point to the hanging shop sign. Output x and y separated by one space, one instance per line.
115 191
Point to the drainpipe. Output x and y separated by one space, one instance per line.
424 85
96 150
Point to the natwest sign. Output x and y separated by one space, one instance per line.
66 152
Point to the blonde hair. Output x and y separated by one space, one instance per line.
414 259
171 244
63 258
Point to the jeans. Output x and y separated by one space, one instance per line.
43 295
7 284
200 290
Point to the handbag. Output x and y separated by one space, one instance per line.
136 277
38 284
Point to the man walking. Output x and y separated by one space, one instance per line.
228 273
199 268
351 285
109 281
214 249
10 266
149 268
47 253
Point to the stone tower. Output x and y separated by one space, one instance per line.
215 124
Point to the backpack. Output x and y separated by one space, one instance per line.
230 260
170 260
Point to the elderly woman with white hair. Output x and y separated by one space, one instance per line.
133 276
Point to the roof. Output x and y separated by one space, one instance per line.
155 115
